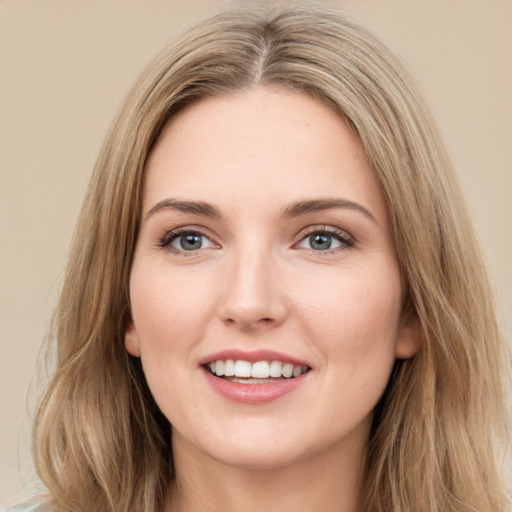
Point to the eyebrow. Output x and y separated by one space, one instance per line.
317 205
295 209
194 207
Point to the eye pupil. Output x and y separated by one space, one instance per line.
191 242
320 241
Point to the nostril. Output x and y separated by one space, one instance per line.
267 321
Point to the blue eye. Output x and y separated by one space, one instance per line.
322 240
186 241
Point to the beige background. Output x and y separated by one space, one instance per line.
64 69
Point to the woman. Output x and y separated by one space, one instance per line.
274 297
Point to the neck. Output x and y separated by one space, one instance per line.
326 482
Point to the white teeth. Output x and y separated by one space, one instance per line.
260 370
242 368
276 369
257 370
287 370
250 381
219 368
297 370
229 368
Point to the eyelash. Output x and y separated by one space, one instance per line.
343 237
170 236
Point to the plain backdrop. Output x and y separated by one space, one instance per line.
65 67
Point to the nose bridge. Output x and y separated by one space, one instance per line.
252 296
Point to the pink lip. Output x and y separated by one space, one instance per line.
253 394
252 356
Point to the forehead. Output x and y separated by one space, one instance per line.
269 141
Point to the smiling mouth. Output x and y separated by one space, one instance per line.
260 372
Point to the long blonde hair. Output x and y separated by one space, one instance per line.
100 442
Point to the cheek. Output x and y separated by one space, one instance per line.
355 317
169 308
170 313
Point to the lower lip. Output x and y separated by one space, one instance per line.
254 394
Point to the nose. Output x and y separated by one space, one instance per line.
252 298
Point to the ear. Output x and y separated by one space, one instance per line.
131 340
409 340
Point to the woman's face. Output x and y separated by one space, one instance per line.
265 256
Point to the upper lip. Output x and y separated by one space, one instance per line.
253 356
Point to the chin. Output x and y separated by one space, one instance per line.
260 450
257 459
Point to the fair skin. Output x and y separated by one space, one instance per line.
291 261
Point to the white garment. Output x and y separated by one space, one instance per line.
30 507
